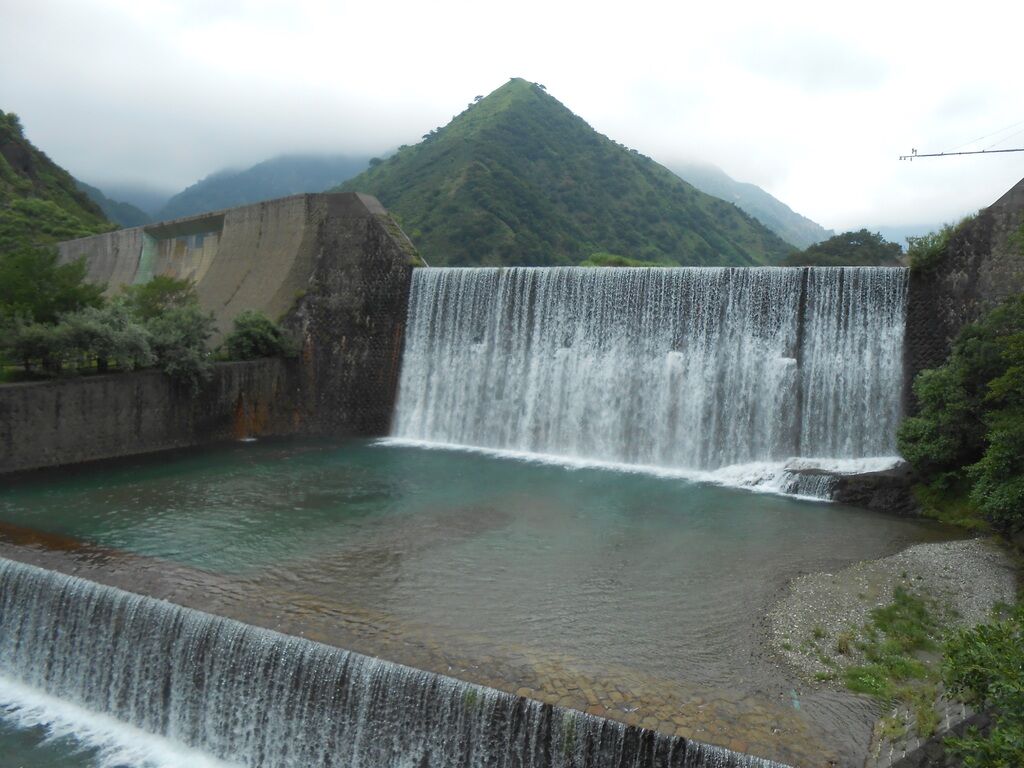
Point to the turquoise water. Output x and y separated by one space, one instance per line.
605 565
643 577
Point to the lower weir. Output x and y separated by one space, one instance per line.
254 697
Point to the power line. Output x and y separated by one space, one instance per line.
1005 138
986 136
914 153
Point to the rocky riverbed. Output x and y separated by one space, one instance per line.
967 578
820 625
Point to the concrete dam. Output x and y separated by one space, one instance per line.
261 256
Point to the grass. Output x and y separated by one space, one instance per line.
843 643
896 644
952 507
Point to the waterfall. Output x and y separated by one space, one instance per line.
690 368
259 698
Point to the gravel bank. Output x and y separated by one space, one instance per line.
967 577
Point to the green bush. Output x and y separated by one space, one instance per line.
254 336
110 333
179 343
39 346
969 431
926 252
984 666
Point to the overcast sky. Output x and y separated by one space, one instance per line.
811 103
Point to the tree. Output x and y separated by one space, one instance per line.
34 286
861 248
254 336
179 338
110 333
148 300
969 429
38 344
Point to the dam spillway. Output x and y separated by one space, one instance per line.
689 368
254 697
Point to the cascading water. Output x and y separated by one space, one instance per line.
688 368
258 698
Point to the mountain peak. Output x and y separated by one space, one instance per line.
517 178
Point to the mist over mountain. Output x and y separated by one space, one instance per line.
149 199
517 178
277 177
795 229
125 214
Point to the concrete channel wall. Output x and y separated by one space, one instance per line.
334 269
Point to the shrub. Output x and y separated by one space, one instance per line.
179 337
984 666
44 346
969 431
108 334
254 336
926 252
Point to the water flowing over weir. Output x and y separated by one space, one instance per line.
259 698
690 368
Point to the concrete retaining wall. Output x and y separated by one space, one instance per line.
67 421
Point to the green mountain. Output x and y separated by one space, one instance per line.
773 213
519 179
278 177
125 214
39 201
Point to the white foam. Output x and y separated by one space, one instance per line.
117 743
857 466
760 477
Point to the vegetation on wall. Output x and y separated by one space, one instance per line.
968 436
926 252
518 179
254 335
861 248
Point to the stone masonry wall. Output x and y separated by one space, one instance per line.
983 264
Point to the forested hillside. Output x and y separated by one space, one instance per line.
517 178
